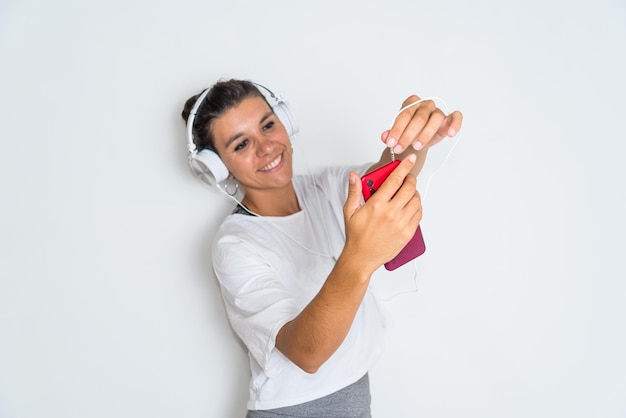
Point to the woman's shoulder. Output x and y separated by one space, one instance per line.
237 232
238 220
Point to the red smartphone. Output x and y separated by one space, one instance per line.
416 246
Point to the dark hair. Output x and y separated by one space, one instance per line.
223 96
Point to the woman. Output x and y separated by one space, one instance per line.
295 259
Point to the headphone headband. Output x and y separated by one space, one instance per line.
191 146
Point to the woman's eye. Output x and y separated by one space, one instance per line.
268 126
241 145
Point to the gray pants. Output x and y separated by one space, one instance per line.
350 402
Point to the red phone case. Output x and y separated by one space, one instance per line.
416 246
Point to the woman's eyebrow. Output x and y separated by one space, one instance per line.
240 134
233 138
266 116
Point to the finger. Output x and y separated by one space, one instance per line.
449 128
414 125
414 205
410 215
406 199
407 206
396 179
353 201
416 217
401 120
453 124
420 133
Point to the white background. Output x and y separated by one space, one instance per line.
108 303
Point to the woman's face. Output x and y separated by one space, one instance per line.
254 145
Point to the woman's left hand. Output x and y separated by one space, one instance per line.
421 126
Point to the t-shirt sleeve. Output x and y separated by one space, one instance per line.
256 302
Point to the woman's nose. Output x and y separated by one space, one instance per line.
265 145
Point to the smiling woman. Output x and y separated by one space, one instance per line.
254 145
305 313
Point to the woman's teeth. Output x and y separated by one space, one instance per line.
273 163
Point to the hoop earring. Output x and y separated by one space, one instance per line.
231 181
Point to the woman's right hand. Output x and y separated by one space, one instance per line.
377 230
375 233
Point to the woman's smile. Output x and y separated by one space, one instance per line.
273 164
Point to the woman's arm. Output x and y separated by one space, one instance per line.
375 233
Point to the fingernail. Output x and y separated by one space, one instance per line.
417 146
412 157
397 149
391 142
451 133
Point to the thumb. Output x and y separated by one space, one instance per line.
353 202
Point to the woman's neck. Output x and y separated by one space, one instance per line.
275 202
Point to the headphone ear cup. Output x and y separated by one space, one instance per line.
208 167
281 109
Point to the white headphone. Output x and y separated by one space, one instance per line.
206 164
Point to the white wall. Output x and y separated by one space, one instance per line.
108 305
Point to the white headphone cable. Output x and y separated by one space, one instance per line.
245 208
434 98
316 191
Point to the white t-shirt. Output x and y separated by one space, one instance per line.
269 269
